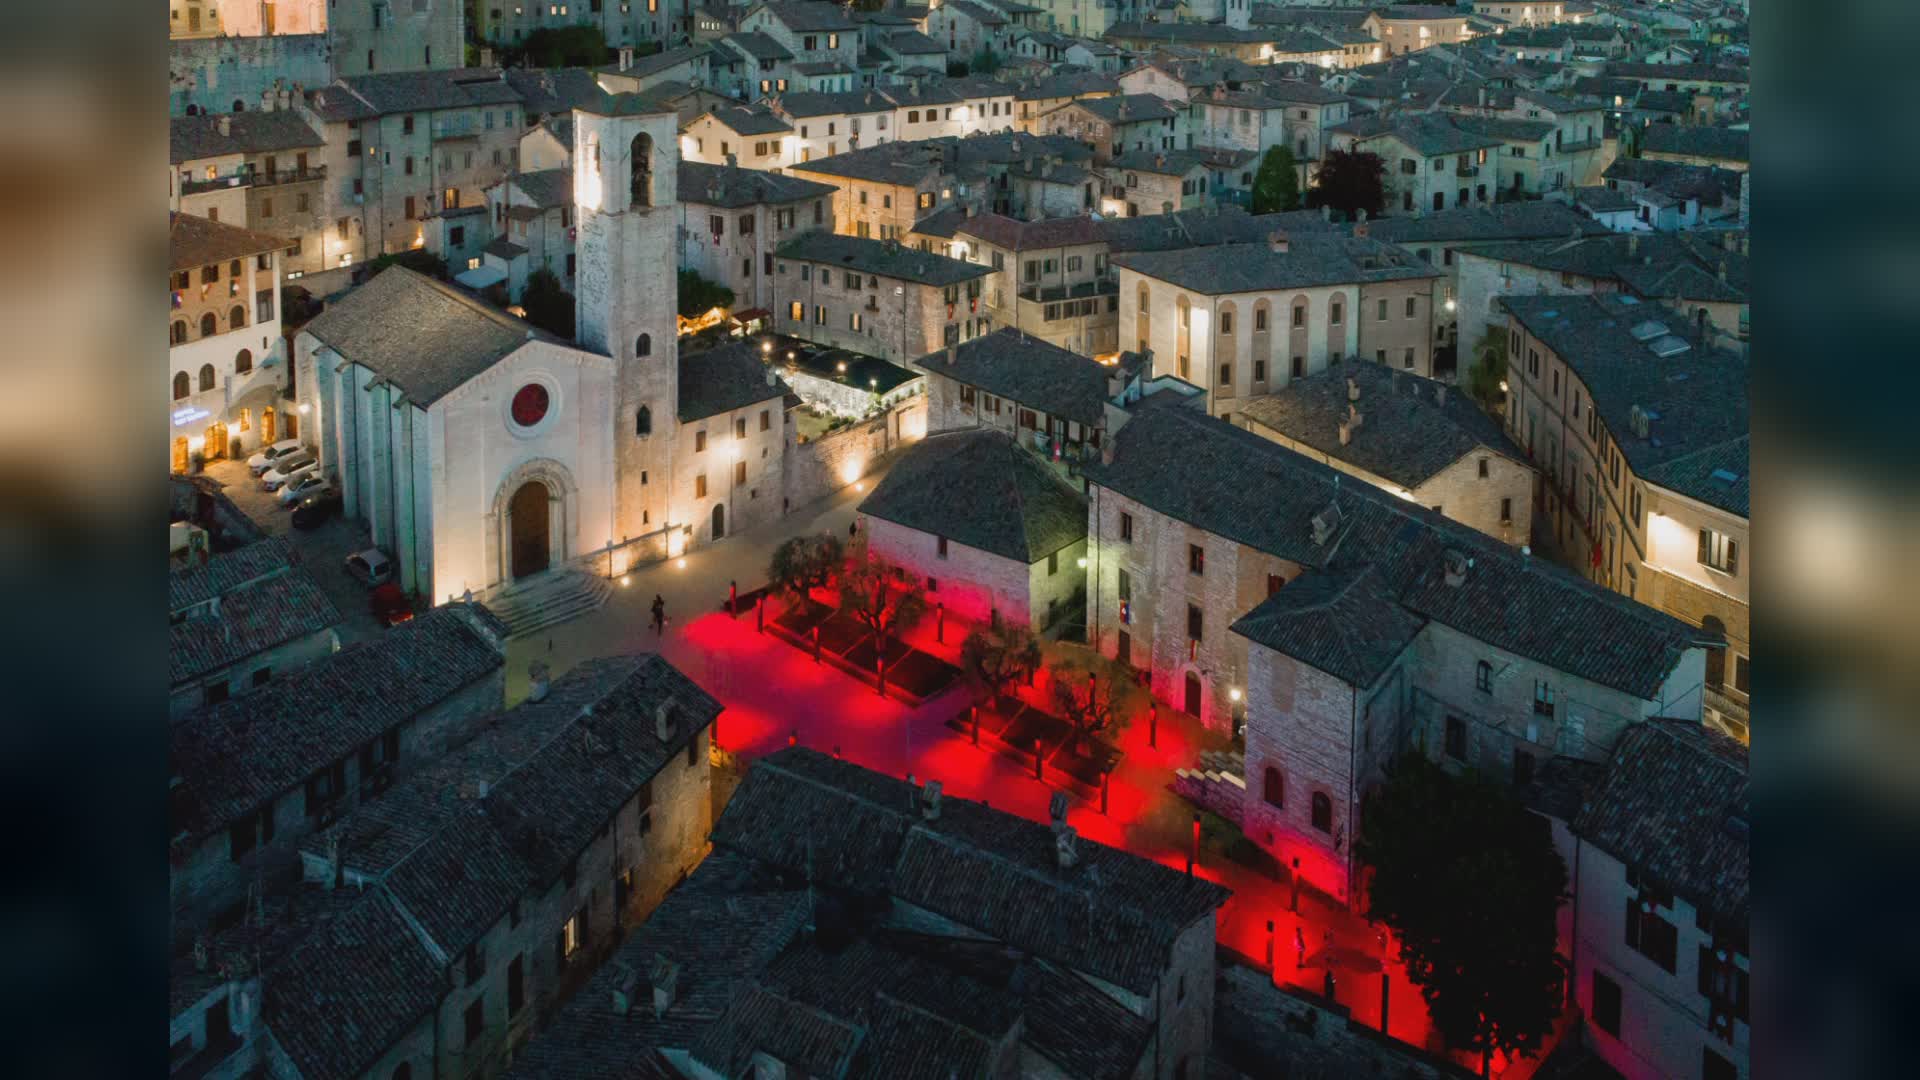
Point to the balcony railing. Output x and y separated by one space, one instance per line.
453 127
1579 147
195 187
263 178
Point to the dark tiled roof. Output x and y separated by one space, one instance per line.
1718 475
1293 91
1599 199
751 120
1160 162
1347 623
556 90
1674 806
1309 261
190 138
236 755
1646 262
505 249
655 63
269 612
882 258
1063 84
733 187
757 45
725 378
1419 12
1722 144
547 188
562 129
194 241
1677 72
1180 32
1506 129
1407 433
980 13
1532 220
913 43
1182 229
424 336
197 583
759 1021
1678 102
349 991
1127 108
1016 235
1244 488
1027 370
944 223
801 16
1698 397
803 104
1114 915
424 91
980 489
1560 785
1430 134
650 102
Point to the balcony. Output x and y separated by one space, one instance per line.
1733 712
263 178
196 187
453 127
1466 170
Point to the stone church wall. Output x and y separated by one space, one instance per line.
819 467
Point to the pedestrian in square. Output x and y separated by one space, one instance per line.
659 615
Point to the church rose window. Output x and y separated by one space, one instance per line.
529 404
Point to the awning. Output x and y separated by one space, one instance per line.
482 276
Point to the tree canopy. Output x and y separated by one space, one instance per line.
1092 693
1469 881
561 46
1350 181
698 295
804 563
885 598
1276 187
993 661
548 306
1489 368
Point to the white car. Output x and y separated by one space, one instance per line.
307 481
263 460
285 467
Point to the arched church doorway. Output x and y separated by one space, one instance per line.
719 521
530 515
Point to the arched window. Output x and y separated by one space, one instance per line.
1226 318
1717 657
236 318
1272 788
239 105
243 361
1322 812
206 377
642 165
643 421
182 386
643 345
1483 677
209 325
177 334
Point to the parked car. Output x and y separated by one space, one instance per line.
315 509
390 605
285 467
370 566
263 460
308 481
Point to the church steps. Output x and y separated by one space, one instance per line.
548 600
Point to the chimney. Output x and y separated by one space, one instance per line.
1440 394
1346 433
1326 214
1456 567
1065 850
226 125
1723 271
953 353
1353 389
1106 450
1633 244
1360 216
486 57
666 723
930 801
623 991
665 978
733 161
1354 416
772 379
626 57
1361 230
1277 241
1057 810
1166 208
537 681
266 100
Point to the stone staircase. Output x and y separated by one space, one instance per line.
1218 783
547 600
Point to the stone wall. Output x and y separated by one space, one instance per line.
212 73
819 467
1301 722
971 583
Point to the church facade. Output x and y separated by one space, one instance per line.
481 451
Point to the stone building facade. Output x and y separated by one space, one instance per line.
226 359
876 297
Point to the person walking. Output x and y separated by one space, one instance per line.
1299 948
659 615
1327 985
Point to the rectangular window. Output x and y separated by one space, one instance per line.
1651 936
699 442
1542 698
1195 623
1606 1004
797 311
700 486
1126 528
940 547
1259 371
1456 738
1412 305
1053 564
516 987
570 933
739 473
1196 559
1522 768
1719 551
475 1020
766 419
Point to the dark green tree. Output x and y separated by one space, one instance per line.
1093 693
1489 369
994 661
548 306
1276 187
1350 181
417 259
984 62
1469 881
698 295
563 46
802 564
883 597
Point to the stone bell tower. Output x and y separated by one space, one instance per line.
625 163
